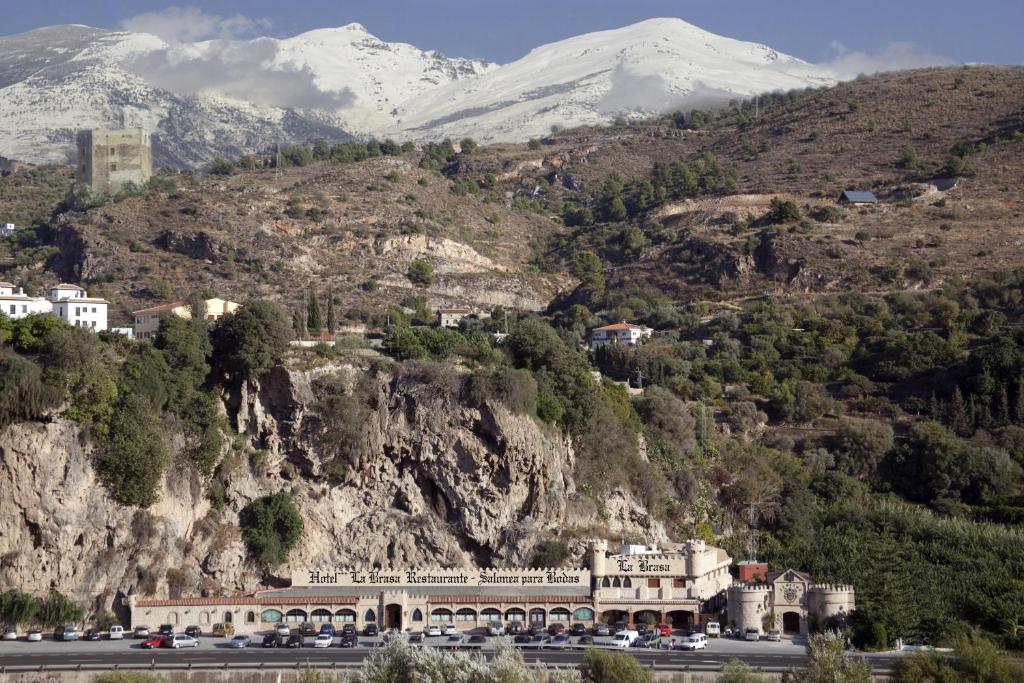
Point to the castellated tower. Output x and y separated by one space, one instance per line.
108 159
748 605
598 555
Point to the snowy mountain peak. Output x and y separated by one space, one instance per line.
227 97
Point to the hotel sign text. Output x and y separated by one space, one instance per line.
367 578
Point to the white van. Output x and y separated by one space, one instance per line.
116 632
623 638
713 629
698 641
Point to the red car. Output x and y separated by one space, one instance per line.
664 630
556 629
153 642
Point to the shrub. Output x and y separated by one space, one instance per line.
420 272
781 211
128 677
57 609
601 666
252 340
343 415
516 389
271 526
23 393
550 553
132 456
860 445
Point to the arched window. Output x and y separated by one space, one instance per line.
616 583
441 614
172 618
537 616
606 583
295 616
559 614
320 615
465 614
370 616
626 583
345 615
490 614
250 617
515 614
417 615
583 614
227 617
204 618
270 616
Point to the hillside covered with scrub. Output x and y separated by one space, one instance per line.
850 379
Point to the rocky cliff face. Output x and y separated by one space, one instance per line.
440 482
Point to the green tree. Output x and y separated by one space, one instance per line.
420 272
403 344
271 527
57 609
534 143
828 663
781 211
589 268
133 456
222 167
332 316
314 321
468 145
24 395
252 340
186 348
860 446
908 158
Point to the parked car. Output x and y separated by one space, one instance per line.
728 632
273 640
449 630
416 639
619 626
323 640
194 631
515 628
578 630
698 641
646 641
539 640
585 640
166 630
556 629
295 640
285 630
92 633
240 641
328 630
153 642
602 630
664 630
182 640
66 632
537 630
774 635
351 640
116 632
10 634
371 630
560 640
348 630
454 641
432 630
752 634
495 628
308 628
141 632
477 640
223 630
712 629
642 629
34 635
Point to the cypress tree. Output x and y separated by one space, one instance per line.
332 317
314 321
958 417
934 409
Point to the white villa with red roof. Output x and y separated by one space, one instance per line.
623 333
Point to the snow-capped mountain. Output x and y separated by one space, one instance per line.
226 97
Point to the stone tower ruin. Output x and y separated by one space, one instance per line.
108 159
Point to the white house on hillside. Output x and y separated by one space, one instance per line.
451 317
14 303
7 229
147 320
623 333
74 305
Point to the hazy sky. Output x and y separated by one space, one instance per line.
502 30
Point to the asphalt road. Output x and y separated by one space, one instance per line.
215 653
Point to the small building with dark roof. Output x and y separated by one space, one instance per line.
857 197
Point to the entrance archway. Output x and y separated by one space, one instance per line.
680 619
393 616
647 616
791 622
612 616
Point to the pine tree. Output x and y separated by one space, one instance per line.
314 321
1002 404
934 409
958 417
1018 408
332 317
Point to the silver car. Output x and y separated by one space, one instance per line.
240 641
183 640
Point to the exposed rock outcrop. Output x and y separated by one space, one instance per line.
438 482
